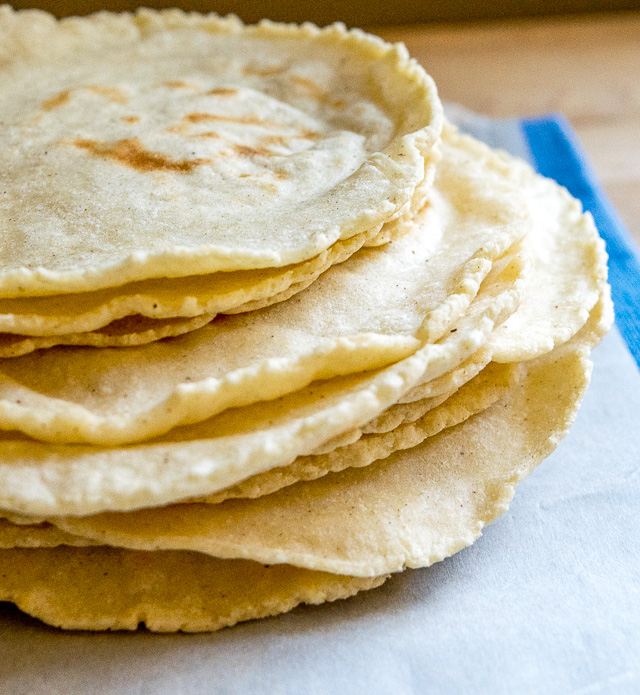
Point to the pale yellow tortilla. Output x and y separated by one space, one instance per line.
405 426
451 381
118 128
566 274
375 309
114 589
410 424
469 399
412 509
36 535
81 319
127 332
398 428
40 478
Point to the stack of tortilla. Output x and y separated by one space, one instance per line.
272 331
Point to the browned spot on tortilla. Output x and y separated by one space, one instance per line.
264 72
57 100
131 153
269 187
314 90
131 119
178 84
110 93
281 174
178 129
282 140
208 134
243 120
246 151
223 92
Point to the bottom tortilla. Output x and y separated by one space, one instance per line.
105 588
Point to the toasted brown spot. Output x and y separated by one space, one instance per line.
223 92
110 93
264 72
57 100
131 119
243 120
208 134
246 151
178 84
282 140
314 90
177 129
131 153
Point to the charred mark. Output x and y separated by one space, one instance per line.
178 84
60 99
131 153
264 71
242 120
246 151
222 92
313 89
209 134
110 93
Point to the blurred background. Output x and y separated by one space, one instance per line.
352 12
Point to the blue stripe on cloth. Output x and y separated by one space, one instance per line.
556 153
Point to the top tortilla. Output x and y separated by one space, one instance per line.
162 144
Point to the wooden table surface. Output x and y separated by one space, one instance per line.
587 68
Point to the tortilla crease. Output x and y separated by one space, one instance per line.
37 322
130 121
41 535
400 297
114 589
